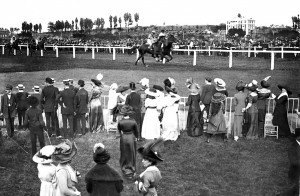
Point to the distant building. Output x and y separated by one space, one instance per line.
4 33
248 25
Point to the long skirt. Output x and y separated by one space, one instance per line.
253 130
217 124
238 125
47 188
170 124
128 154
96 116
194 126
280 119
151 124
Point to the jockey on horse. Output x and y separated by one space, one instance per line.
159 41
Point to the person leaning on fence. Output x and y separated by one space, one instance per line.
207 92
34 121
103 179
9 109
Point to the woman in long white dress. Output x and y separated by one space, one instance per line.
170 117
151 124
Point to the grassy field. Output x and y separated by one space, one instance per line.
191 166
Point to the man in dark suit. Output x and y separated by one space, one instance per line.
207 92
134 100
9 109
66 101
75 89
48 100
81 107
22 104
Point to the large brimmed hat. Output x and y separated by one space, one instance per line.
220 84
150 150
144 82
64 152
252 86
152 92
121 89
44 155
113 86
264 83
193 87
99 77
126 110
281 86
100 156
96 82
218 98
157 87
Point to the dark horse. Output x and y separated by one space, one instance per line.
33 46
162 48
14 46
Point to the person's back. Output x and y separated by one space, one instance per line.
48 97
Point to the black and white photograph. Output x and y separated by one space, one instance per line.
149 98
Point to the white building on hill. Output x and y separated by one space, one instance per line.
246 24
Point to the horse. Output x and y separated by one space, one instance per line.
33 46
14 46
163 51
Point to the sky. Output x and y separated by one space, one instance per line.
151 12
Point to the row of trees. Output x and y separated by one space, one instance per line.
29 27
87 24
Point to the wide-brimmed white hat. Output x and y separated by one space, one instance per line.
44 155
99 77
152 92
144 82
219 82
113 86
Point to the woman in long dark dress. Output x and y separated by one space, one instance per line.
194 125
128 129
280 112
252 110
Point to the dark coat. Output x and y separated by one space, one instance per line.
22 100
102 180
66 98
13 105
48 98
81 101
294 158
280 116
207 93
134 100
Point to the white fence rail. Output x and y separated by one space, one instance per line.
194 51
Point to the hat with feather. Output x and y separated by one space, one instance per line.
150 150
264 83
193 87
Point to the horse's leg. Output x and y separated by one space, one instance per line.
141 55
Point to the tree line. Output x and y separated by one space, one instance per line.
87 24
29 27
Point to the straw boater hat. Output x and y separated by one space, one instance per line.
64 152
281 86
36 88
20 87
44 155
66 82
150 150
100 156
264 83
218 98
220 84
121 89
126 110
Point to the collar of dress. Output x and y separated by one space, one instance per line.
150 168
282 94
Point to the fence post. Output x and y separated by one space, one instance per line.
123 50
85 47
114 54
137 54
282 52
272 60
97 48
56 47
73 52
230 58
93 52
208 50
2 49
164 60
249 52
109 49
254 51
27 49
15 52
195 58
42 52
188 50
